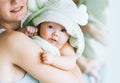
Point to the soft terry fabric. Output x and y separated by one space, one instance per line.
46 45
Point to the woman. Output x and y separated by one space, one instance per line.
15 58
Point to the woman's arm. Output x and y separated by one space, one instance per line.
26 54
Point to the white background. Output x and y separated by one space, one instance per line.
113 51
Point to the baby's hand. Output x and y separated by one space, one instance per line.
47 57
29 31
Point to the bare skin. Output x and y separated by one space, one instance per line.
19 54
30 56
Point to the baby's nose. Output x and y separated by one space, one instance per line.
55 33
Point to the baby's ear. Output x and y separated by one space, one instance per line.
83 15
34 5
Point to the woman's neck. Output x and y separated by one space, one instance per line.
10 26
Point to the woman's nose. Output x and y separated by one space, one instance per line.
15 1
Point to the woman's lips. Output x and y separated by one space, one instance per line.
16 10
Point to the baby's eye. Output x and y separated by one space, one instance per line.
50 26
63 30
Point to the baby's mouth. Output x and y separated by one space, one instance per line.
51 40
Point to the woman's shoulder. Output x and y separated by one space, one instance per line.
14 37
20 42
9 36
20 45
14 40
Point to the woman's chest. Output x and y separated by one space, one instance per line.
9 73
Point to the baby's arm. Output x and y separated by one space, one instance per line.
66 61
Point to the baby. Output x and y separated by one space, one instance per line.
59 33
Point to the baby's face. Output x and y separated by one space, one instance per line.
54 33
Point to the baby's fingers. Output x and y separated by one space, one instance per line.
32 30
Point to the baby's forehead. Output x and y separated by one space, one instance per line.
51 23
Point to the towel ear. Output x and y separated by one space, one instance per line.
83 15
34 5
